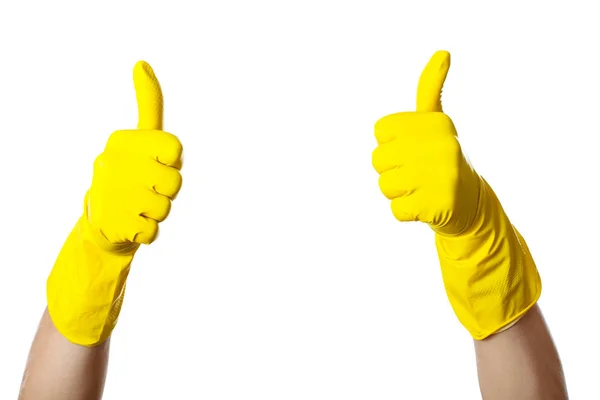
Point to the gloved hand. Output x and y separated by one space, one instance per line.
488 272
135 179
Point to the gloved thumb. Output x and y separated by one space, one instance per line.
149 97
429 91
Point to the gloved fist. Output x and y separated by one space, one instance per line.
423 171
133 185
489 275
136 176
135 179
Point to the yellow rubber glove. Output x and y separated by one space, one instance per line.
134 181
489 274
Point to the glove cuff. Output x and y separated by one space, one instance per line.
489 274
86 286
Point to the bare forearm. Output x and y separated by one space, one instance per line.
521 362
60 370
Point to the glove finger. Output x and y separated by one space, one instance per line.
388 127
153 205
398 182
431 82
149 97
146 229
161 146
388 156
163 180
123 173
406 208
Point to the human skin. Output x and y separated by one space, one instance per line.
60 370
521 362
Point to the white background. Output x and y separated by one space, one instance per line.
281 272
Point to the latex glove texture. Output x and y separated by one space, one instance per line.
135 179
489 275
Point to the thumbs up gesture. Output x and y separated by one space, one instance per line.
489 275
423 170
137 175
135 179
